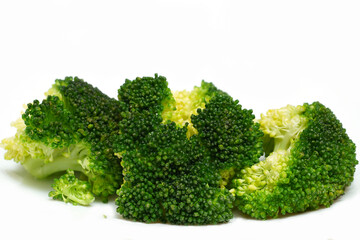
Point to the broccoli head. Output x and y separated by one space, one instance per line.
310 161
165 180
173 176
70 129
229 134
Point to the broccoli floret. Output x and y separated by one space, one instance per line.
70 129
68 188
229 134
310 161
144 100
187 104
173 176
165 180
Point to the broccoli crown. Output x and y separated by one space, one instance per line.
70 129
165 180
171 177
144 100
146 93
310 163
229 133
70 189
49 122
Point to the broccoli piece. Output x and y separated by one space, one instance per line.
165 180
187 104
68 188
229 134
70 129
310 161
143 100
170 175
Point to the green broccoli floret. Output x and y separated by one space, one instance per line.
310 161
70 129
229 134
68 188
173 176
165 180
144 100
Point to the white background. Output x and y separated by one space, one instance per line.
267 54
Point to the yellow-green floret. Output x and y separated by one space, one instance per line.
187 103
68 188
310 161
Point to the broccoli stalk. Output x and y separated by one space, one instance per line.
73 157
283 125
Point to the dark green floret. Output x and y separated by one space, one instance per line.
171 177
311 160
229 134
70 129
144 99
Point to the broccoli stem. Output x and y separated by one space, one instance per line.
284 141
65 158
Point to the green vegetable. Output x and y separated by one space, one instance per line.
310 162
176 173
70 129
68 188
184 157
187 104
